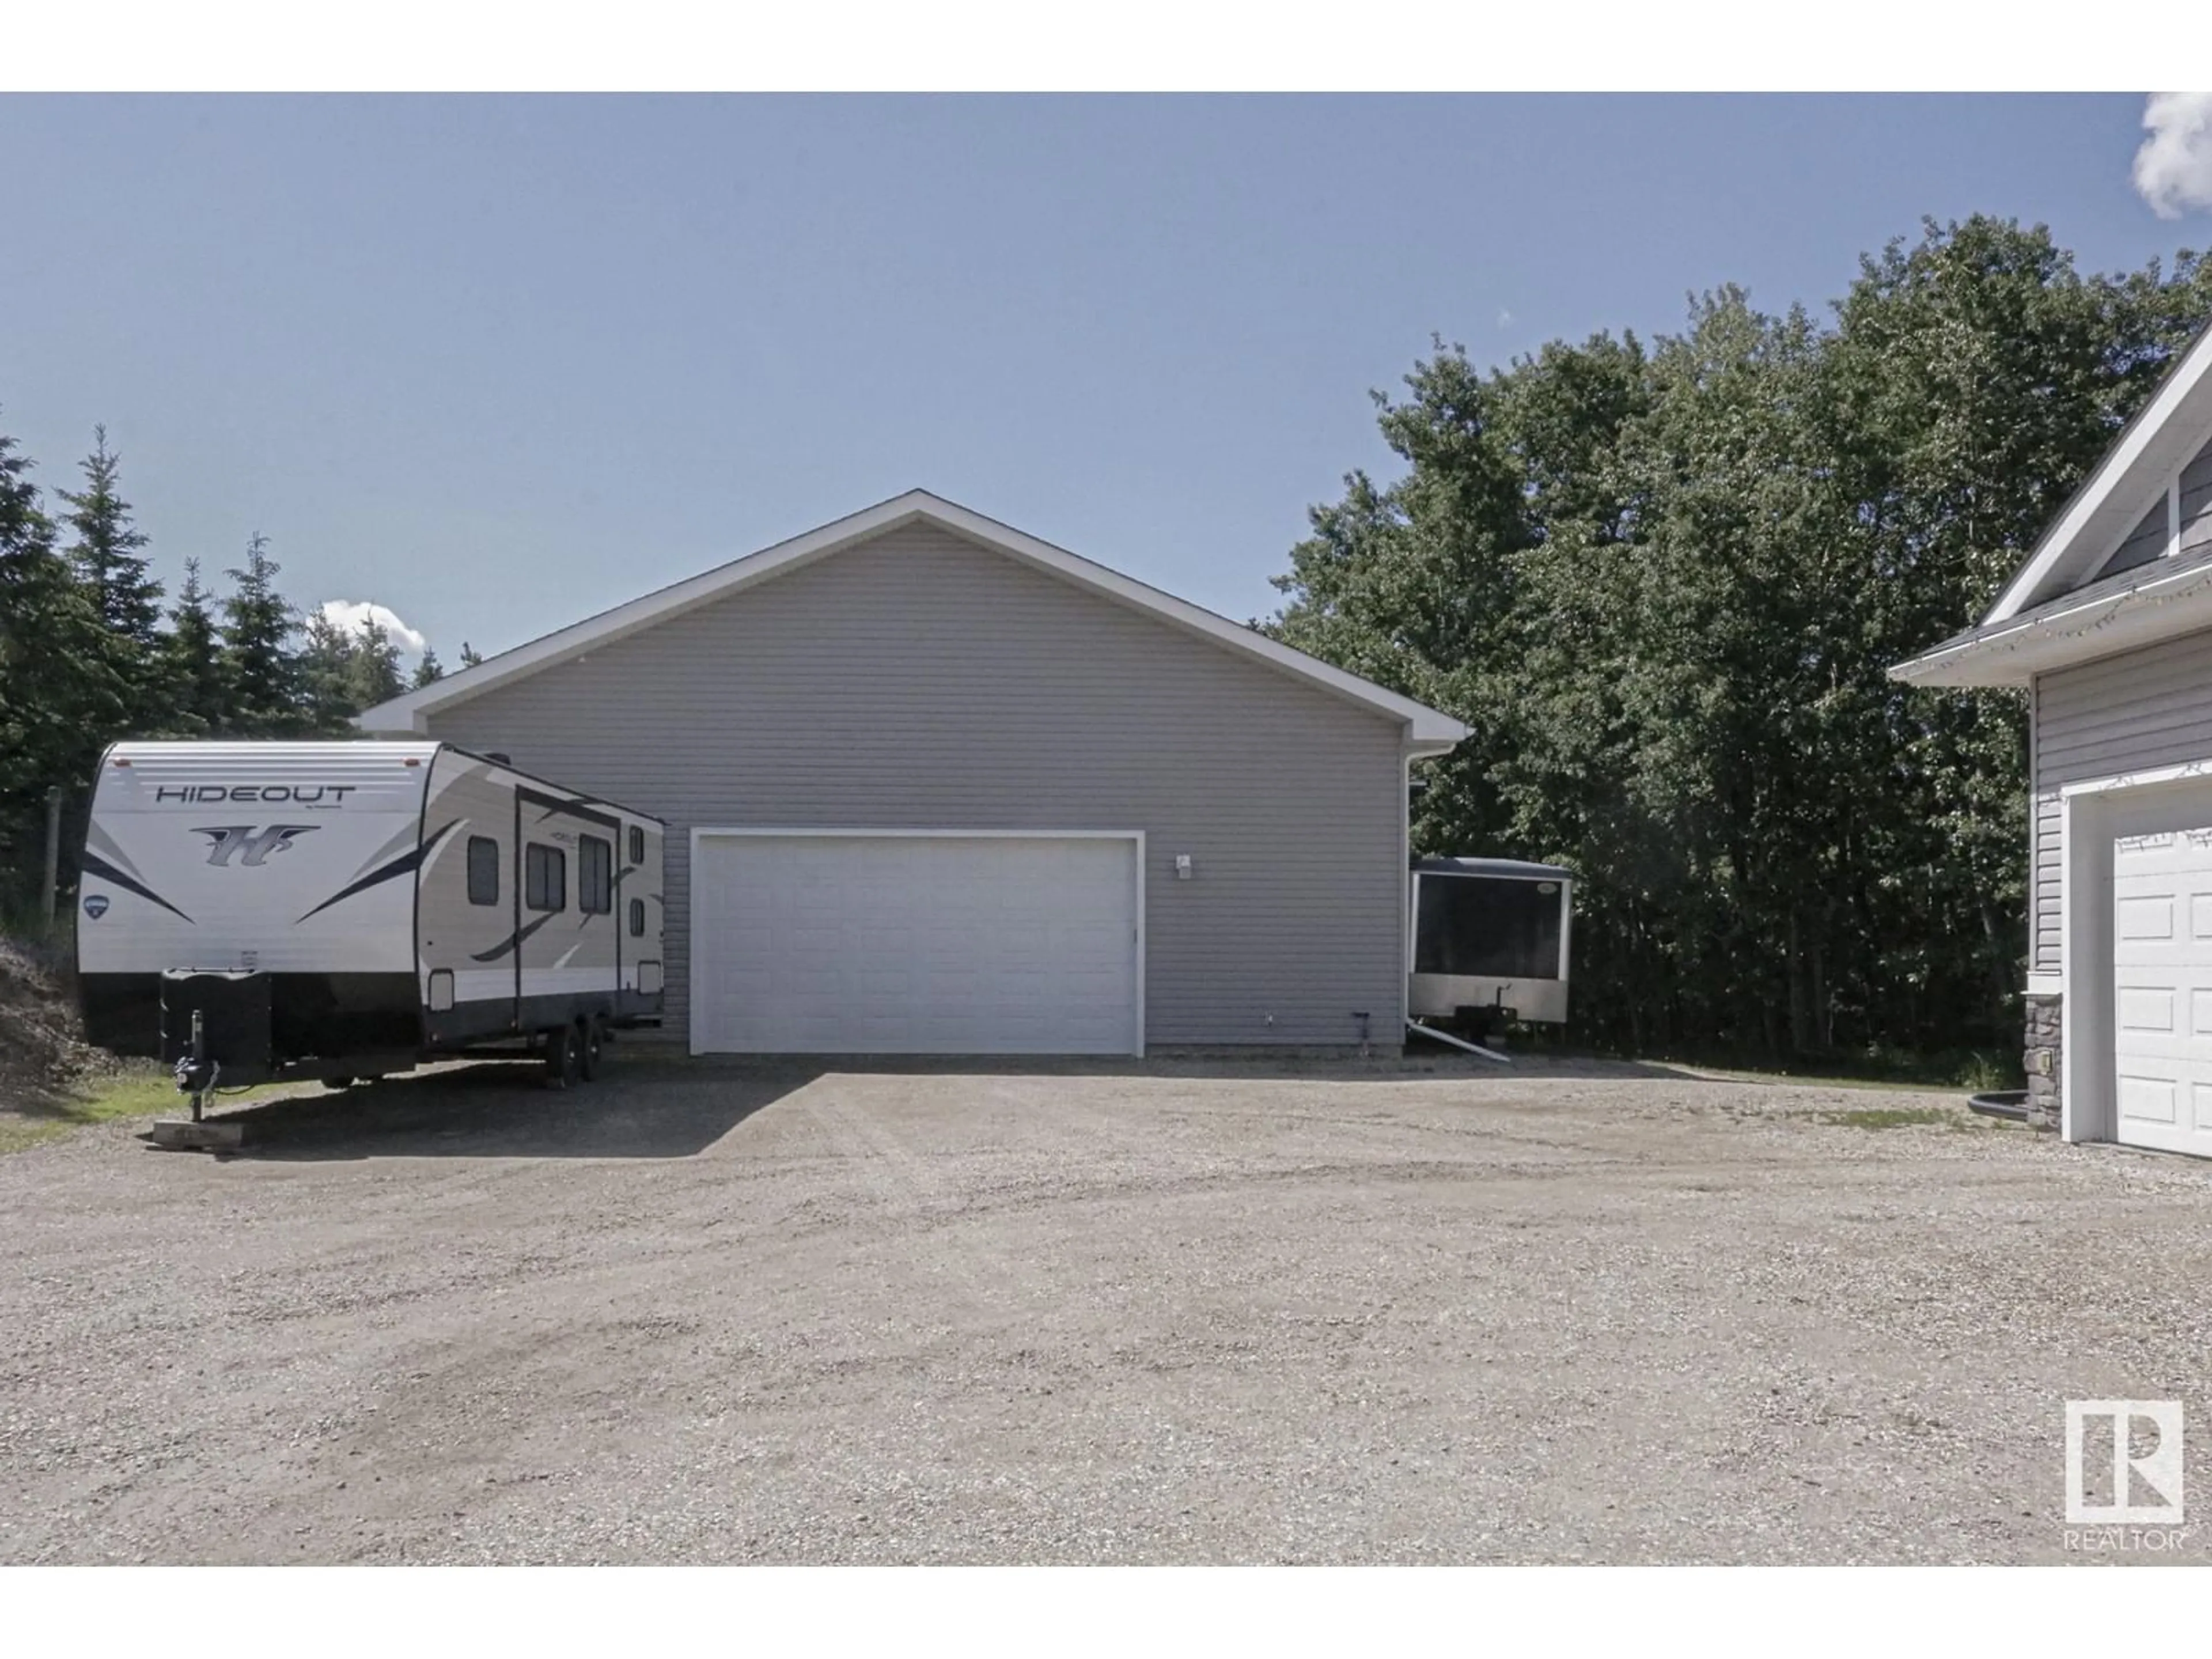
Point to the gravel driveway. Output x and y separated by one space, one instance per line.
1172 1313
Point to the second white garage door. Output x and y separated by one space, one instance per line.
2162 990
817 943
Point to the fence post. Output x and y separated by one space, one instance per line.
53 853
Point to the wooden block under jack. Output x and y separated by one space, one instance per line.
209 1135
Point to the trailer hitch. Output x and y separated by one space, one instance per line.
196 1072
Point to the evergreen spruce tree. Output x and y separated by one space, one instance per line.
470 655
374 676
259 663
192 665
326 661
59 697
106 555
109 561
428 671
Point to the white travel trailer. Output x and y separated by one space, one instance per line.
342 909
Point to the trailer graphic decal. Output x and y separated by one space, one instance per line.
403 865
257 844
93 865
268 794
514 941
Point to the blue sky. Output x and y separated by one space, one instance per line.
498 363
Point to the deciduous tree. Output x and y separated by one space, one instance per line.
1663 588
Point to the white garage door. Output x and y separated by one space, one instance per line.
911 945
2162 990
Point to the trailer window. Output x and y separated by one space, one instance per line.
545 878
637 918
483 870
595 875
636 845
1487 926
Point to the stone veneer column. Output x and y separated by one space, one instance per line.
2041 1058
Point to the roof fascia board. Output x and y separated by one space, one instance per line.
2181 603
409 711
2177 392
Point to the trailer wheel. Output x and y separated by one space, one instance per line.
1478 1022
563 1056
587 1058
343 1081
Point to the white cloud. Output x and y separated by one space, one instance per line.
1505 319
348 614
2173 169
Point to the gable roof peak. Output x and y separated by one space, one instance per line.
1428 730
2151 449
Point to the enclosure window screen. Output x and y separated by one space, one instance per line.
545 878
1487 926
483 870
637 918
595 876
636 845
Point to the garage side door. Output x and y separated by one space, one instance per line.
812 943
2162 990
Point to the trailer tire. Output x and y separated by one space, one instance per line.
587 1058
562 1056
342 1081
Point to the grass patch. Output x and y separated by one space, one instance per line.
1895 1117
1813 1078
1972 1069
134 1093
1967 1071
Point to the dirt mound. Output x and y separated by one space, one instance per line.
41 1050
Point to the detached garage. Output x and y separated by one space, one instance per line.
936 786
2108 627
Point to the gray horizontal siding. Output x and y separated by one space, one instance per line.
2196 501
2134 712
2149 539
919 681
2146 541
2043 832
2043 901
